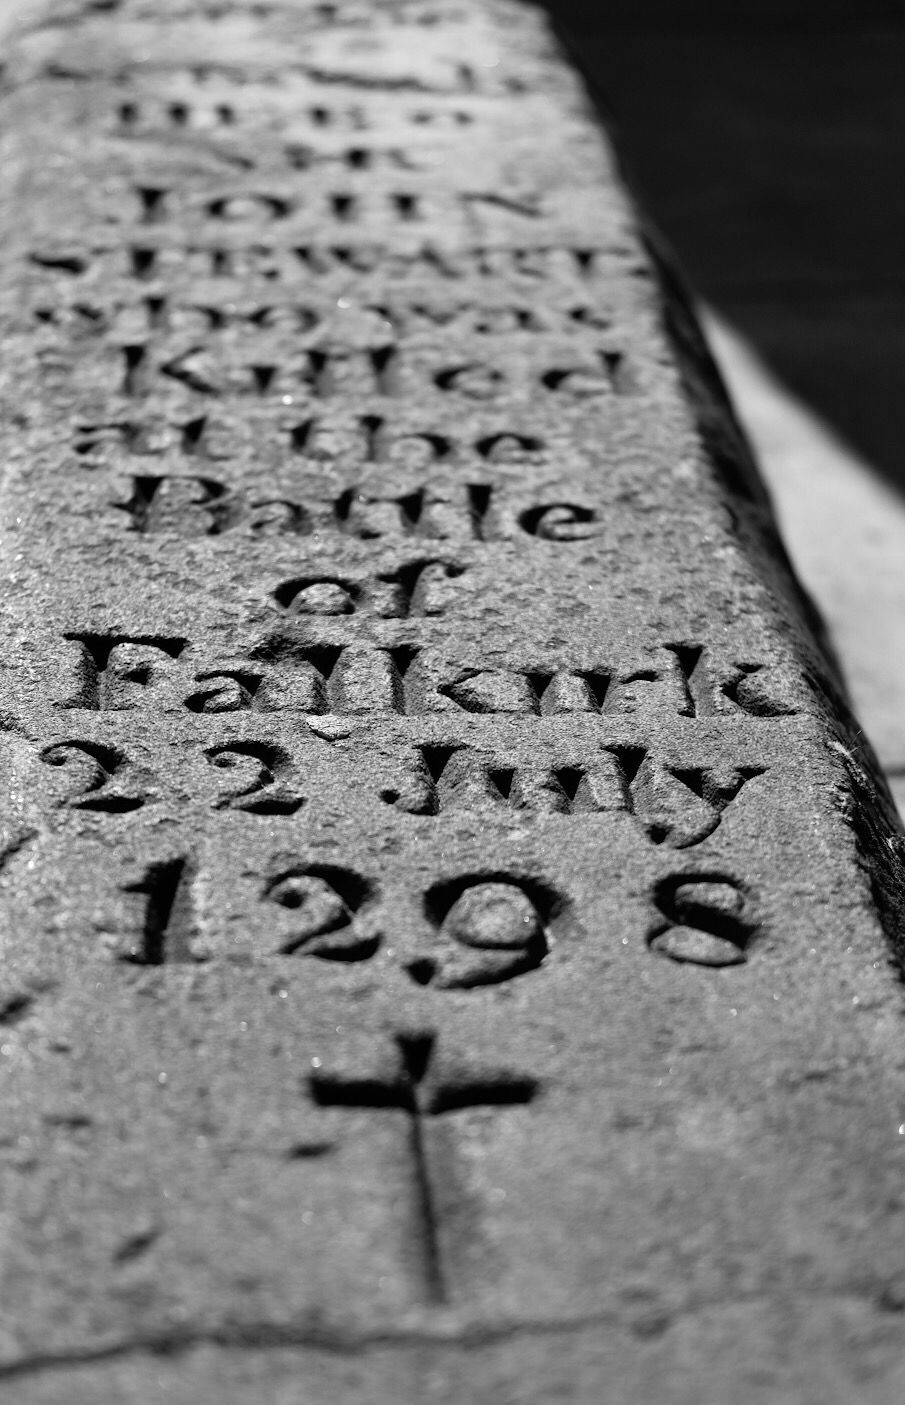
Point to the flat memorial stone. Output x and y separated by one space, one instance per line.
443 886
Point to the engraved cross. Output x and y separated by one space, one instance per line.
414 1090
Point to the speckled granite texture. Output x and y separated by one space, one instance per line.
443 890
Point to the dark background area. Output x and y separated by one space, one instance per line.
768 142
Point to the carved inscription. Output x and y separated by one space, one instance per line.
210 369
119 672
257 319
421 1093
477 930
160 205
752 688
675 806
318 908
180 504
289 263
681 806
187 505
706 920
678 807
255 774
95 777
168 926
224 690
368 438
423 587
442 779
350 679
486 932
528 692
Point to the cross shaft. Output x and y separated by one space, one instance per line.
409 1090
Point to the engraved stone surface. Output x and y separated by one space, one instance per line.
443 889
